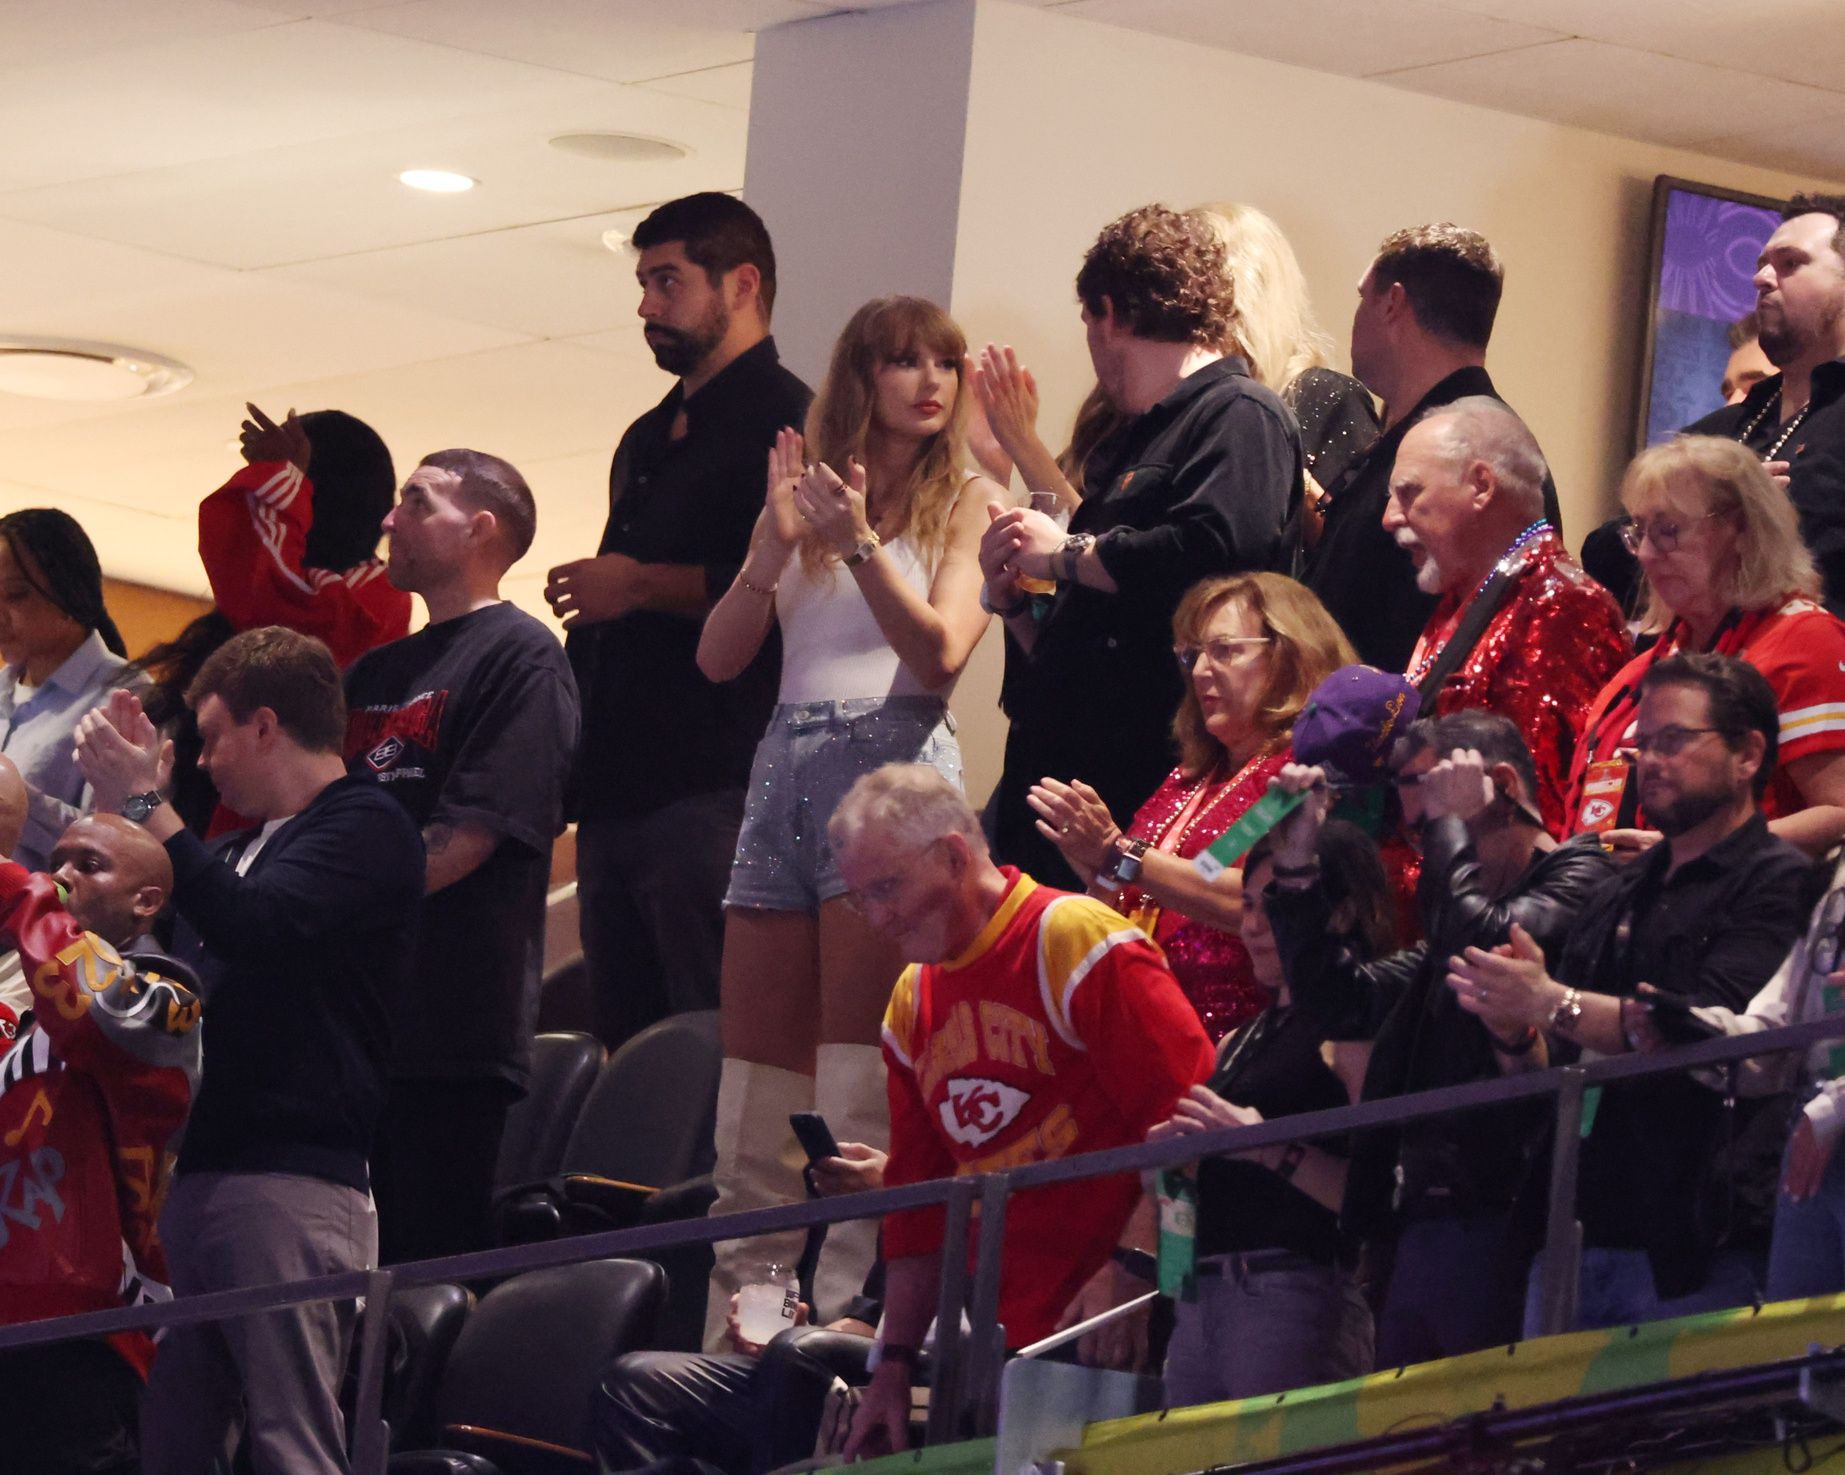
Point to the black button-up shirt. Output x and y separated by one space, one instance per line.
1201 484
1357 569
654 729
1816 456
1713 931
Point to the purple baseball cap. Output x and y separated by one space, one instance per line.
1352 721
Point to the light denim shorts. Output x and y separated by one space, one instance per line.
812 753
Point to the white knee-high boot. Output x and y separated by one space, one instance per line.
758 1164
849 1093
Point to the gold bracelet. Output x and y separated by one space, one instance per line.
744 580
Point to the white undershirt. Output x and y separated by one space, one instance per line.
254 848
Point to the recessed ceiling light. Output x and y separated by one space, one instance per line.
52 368
437 181
616 241
619 148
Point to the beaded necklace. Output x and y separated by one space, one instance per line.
1774 403
1504 565
1194 810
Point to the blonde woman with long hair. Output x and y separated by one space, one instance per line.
865 557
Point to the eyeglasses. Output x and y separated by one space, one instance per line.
1220 652
1668 742
885 891
1662 532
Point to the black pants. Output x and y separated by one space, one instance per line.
72 1408
432 1167
742 1414
650 893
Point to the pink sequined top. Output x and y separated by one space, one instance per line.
1212 966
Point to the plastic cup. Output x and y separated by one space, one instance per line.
765 1304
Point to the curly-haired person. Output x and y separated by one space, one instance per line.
1200 481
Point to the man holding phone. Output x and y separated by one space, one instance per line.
1031 1025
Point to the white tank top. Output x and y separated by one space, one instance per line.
832 648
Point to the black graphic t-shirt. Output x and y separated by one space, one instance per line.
472 721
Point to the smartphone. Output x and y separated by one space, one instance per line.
1674 1020
815 1136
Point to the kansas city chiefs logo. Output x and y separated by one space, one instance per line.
977 1110
385 754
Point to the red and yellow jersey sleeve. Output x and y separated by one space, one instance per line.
917 1150
252 540
1108 986
1801 652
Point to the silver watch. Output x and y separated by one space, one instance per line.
137 807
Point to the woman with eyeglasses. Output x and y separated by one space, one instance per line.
1719 546
1251 647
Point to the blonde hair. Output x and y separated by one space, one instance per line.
842 421
1274 326
1771 561
1308 647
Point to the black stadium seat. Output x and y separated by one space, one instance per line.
564 1067
645 1126
515 1394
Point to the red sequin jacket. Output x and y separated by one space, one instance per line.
1543 660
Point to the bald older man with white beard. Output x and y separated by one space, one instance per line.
1519 628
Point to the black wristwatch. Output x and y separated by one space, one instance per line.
1063 561
137 807
1123 867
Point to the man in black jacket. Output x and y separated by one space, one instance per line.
1440 1193
1795 419
1674 1201
301 930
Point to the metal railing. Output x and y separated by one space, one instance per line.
966 1379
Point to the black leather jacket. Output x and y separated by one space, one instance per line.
1471 1162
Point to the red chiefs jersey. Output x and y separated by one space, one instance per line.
1059 1030
252 537
91 1094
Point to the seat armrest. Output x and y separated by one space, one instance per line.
691 1199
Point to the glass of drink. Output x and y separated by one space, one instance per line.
765 1304
1052 507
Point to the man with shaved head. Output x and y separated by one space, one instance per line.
115 875
1518 627
92 1091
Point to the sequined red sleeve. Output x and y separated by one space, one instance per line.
1552 665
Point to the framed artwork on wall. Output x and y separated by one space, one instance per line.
1702 254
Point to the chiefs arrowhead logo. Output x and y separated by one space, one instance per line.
385 754
977 1110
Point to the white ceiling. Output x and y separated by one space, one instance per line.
213 180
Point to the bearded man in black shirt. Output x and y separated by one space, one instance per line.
658 792
1674 1219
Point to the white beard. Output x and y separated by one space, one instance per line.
1428 575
